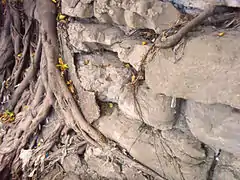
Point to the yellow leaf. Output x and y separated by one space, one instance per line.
61 17
133 78
221 34
60 60
3 2
19 55
65 66
144 43
63 21
110 105
39 144
7 116
33 54
86 62
12 119
71 88
127 65
69 82
54 1
6 84
62 67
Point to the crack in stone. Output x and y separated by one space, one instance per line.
210 172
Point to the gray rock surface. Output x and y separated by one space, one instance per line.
72 164
88 37
204 3
103 167
103 74
109 167
155 109
71 176
93 33
78 8
131 51
227 167
209 71
87 100
152 14
150 148
215 125
184 146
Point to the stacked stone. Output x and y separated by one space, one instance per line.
179 143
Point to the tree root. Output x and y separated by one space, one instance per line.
136 164
57 85
6 47
29 77
174 39
16 29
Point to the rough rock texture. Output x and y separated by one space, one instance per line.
207 73
72 164
101 166
149 148
227 167
87 101
88 37
78 8
131 51
211 75
71 176
93 33
215 125
109 167
203 3
154 108
104 74
152 14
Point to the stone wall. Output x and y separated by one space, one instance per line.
184 112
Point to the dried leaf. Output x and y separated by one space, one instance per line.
69 82
61 64
63 67
144 43
127 65
60 60
6 84
61 17
86 62
110 105
71 89
7 116
19 55
4 2
221 34
70 86
133 78
62 74
63 21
